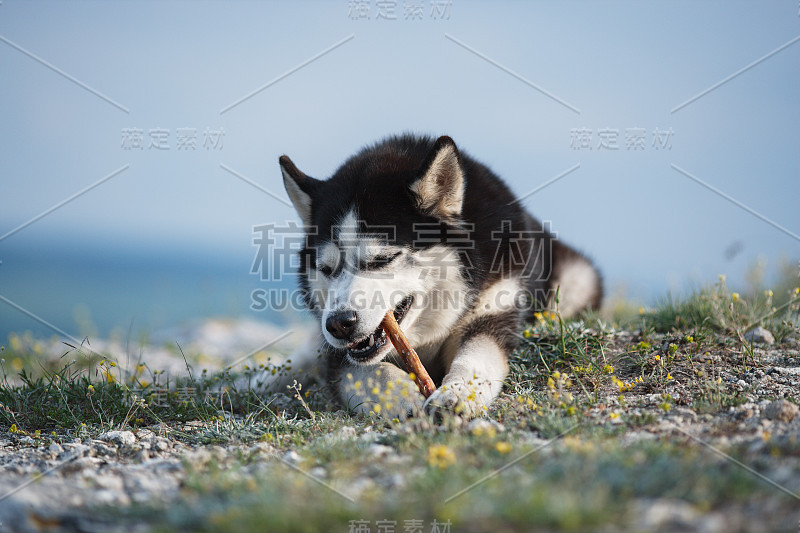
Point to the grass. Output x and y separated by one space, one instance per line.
718 308
584 384
577 485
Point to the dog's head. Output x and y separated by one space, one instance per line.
379 239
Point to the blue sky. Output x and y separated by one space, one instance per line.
514 83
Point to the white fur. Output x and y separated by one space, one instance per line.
475 378
300 200
501 297
431 275
384 384
444 203
579 284
328 255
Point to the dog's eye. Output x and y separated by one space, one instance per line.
380 261
325 270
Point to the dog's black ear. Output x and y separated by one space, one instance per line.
439 191
300 188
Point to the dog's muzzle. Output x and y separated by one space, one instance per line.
342 324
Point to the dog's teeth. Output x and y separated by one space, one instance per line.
372 340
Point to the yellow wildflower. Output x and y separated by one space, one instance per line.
440 456
621 385
502 447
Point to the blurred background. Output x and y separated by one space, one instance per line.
140 139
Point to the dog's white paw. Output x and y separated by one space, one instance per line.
468 399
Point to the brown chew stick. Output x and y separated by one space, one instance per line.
407 353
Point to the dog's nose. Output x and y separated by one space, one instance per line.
341 324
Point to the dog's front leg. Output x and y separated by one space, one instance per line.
380 388
474 379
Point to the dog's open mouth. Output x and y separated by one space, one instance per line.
376 340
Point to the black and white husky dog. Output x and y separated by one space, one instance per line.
414 226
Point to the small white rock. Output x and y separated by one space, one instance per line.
55 448
658 513
292 457
379 450
120 438
485 424
261 448
347 432
144 434
783 410
759 335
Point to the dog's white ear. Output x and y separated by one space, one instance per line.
439 191
299 187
